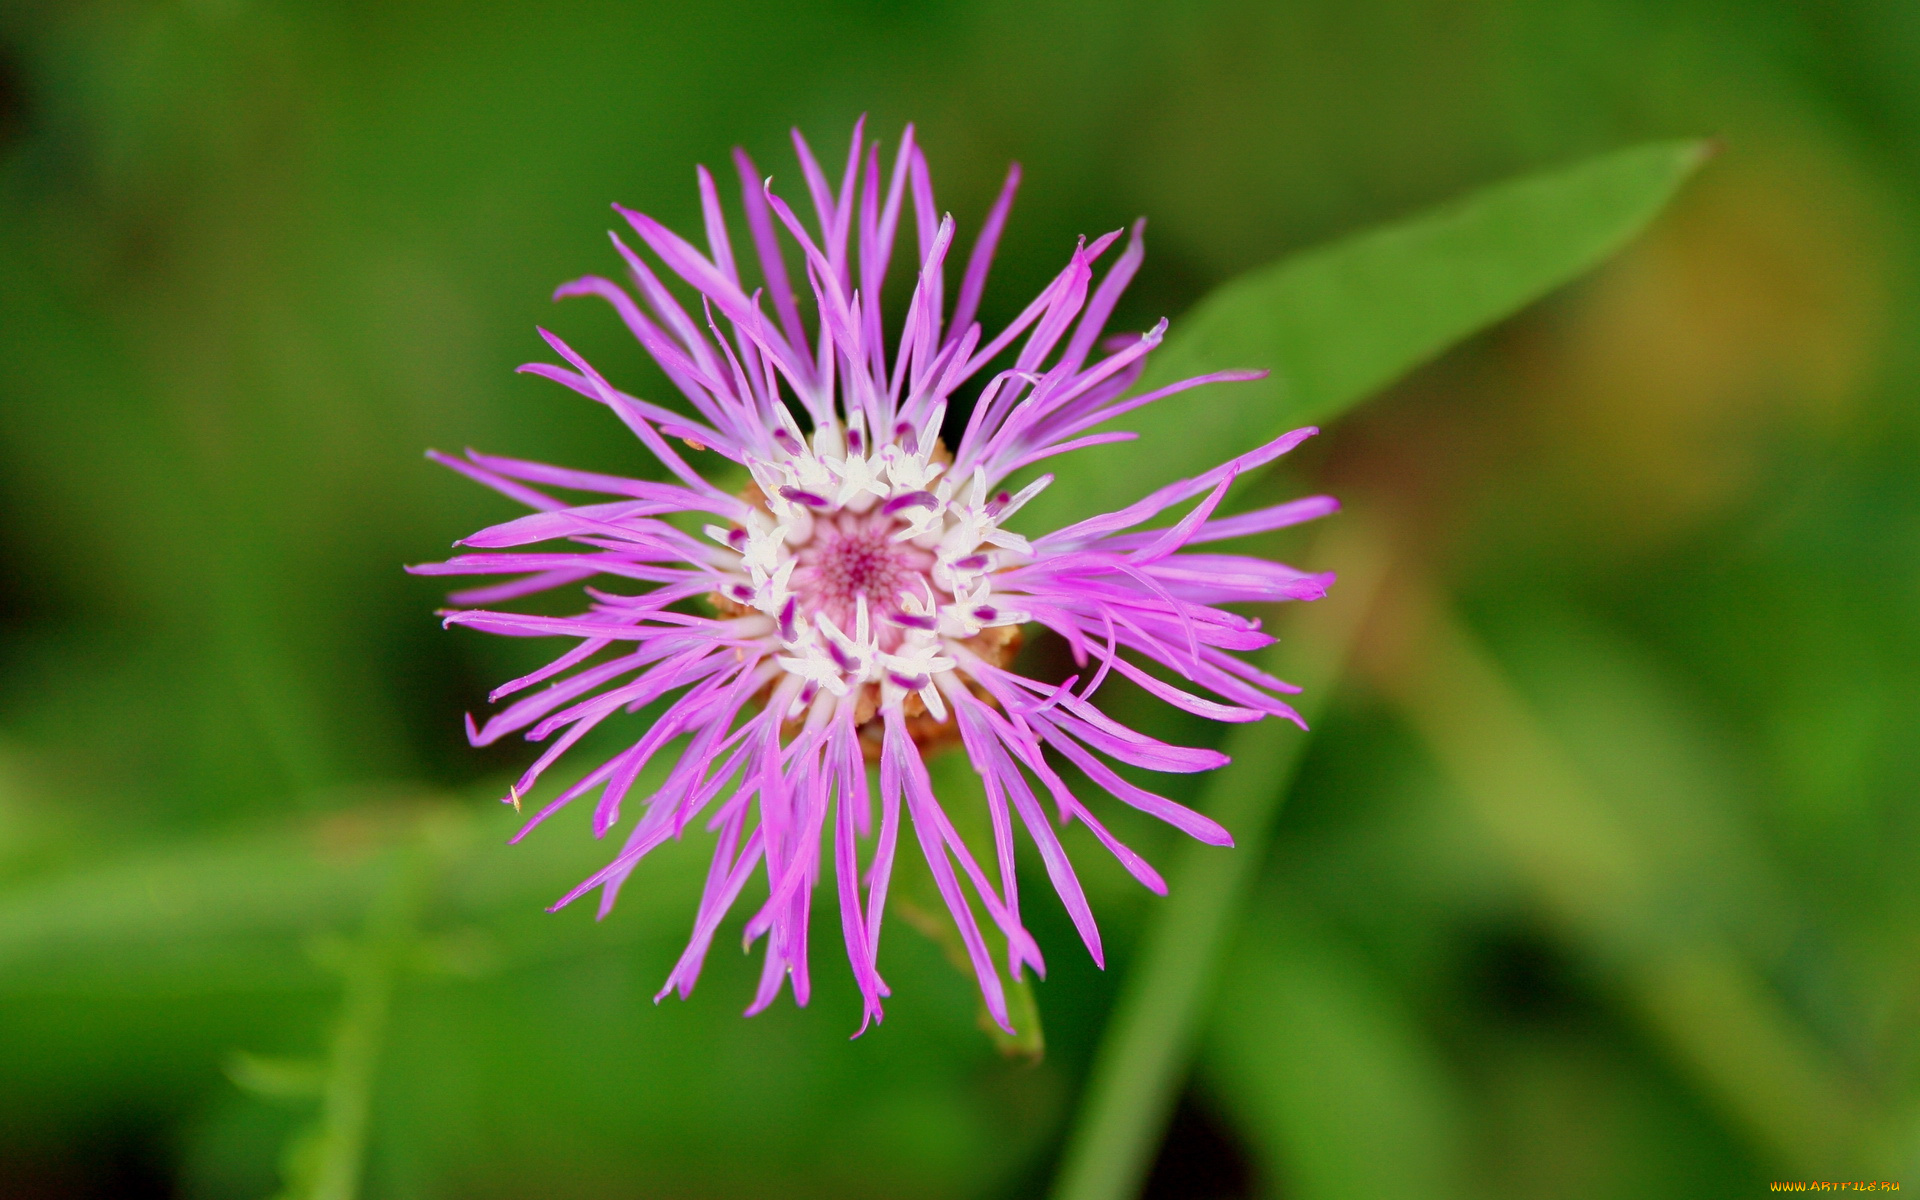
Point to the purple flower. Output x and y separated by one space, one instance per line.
865 592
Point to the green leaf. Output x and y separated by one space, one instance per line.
1336 324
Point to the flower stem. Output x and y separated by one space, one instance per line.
1143 1055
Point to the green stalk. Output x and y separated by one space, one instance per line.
328 1162
1144 1054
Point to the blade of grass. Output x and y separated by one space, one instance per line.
1148 1043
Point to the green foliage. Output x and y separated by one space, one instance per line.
1605 893
1336 324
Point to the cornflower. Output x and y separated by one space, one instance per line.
861 599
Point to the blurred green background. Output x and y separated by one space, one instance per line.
1599 877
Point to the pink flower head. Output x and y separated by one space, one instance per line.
862 597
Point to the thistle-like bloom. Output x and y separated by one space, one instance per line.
861 598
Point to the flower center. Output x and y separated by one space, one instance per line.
871 566
854 555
